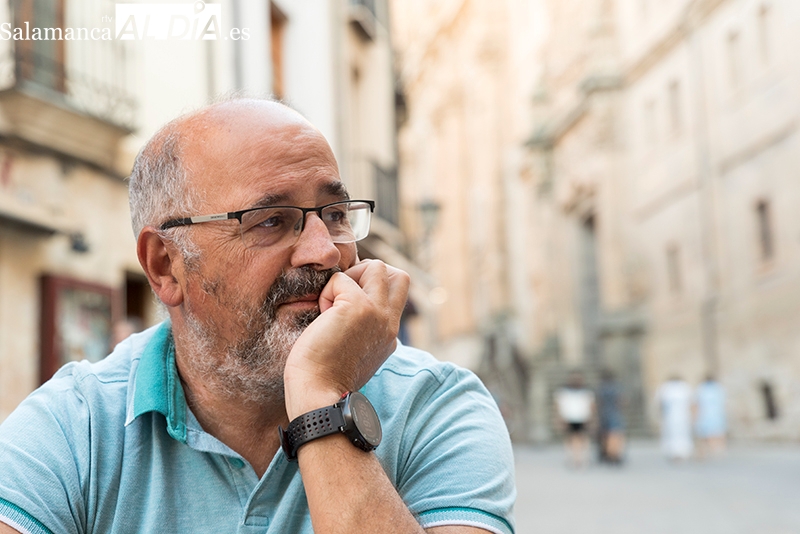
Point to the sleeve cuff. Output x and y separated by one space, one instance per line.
467 517
17 518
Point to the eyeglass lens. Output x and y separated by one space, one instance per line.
346 222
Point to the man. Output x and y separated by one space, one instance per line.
611 423
272 321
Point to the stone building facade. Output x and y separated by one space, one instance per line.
461 151
664 151
616 182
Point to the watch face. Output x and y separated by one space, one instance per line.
365 418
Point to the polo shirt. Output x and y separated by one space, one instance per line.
112 447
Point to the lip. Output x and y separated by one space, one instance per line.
313 298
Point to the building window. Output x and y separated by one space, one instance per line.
764 27
386 190
674 274
770 403
675 108
42 60
734 59
766 239
76 322
277 22
137 296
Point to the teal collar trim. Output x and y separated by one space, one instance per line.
157 384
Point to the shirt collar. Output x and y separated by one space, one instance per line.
157 386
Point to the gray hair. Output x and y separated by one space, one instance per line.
157 188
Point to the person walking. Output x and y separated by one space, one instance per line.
710 421
611 431
575 404
674 398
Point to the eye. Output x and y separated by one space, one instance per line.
271 222
336 214
268 220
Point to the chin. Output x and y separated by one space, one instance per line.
301 316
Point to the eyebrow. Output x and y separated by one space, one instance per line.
334 188
271 200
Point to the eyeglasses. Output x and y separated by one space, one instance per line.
347 222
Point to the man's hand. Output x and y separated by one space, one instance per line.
354 334
347 489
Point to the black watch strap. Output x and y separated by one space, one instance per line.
310 426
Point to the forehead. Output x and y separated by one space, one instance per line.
258 155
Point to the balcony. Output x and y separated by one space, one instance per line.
363 18
70 97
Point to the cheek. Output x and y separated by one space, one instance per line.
256 272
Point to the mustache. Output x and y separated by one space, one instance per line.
295 284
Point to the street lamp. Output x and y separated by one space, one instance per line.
429 210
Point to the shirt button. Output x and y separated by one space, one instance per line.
237 463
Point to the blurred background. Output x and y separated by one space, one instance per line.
572 185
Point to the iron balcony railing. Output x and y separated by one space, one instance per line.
368 4
93 76
364 17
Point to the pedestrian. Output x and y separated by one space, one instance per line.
674 399
575 407
710 421
611 425
275 398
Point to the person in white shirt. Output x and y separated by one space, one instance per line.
575 406
674 398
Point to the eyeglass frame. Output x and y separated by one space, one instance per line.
188 221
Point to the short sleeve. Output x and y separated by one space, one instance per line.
457 466
43 450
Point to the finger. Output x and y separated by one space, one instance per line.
374 280
399 283
338 286
356 271
397 280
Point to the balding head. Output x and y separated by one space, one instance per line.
159 182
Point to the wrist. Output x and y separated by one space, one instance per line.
307 399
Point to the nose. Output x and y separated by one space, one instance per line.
314 246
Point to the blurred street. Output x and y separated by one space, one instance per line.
752 489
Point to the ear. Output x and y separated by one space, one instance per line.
159 259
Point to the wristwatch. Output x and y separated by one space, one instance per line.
352 416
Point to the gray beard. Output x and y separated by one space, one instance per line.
252 367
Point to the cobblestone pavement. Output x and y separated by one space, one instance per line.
751 489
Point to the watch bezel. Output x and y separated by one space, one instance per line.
355 430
